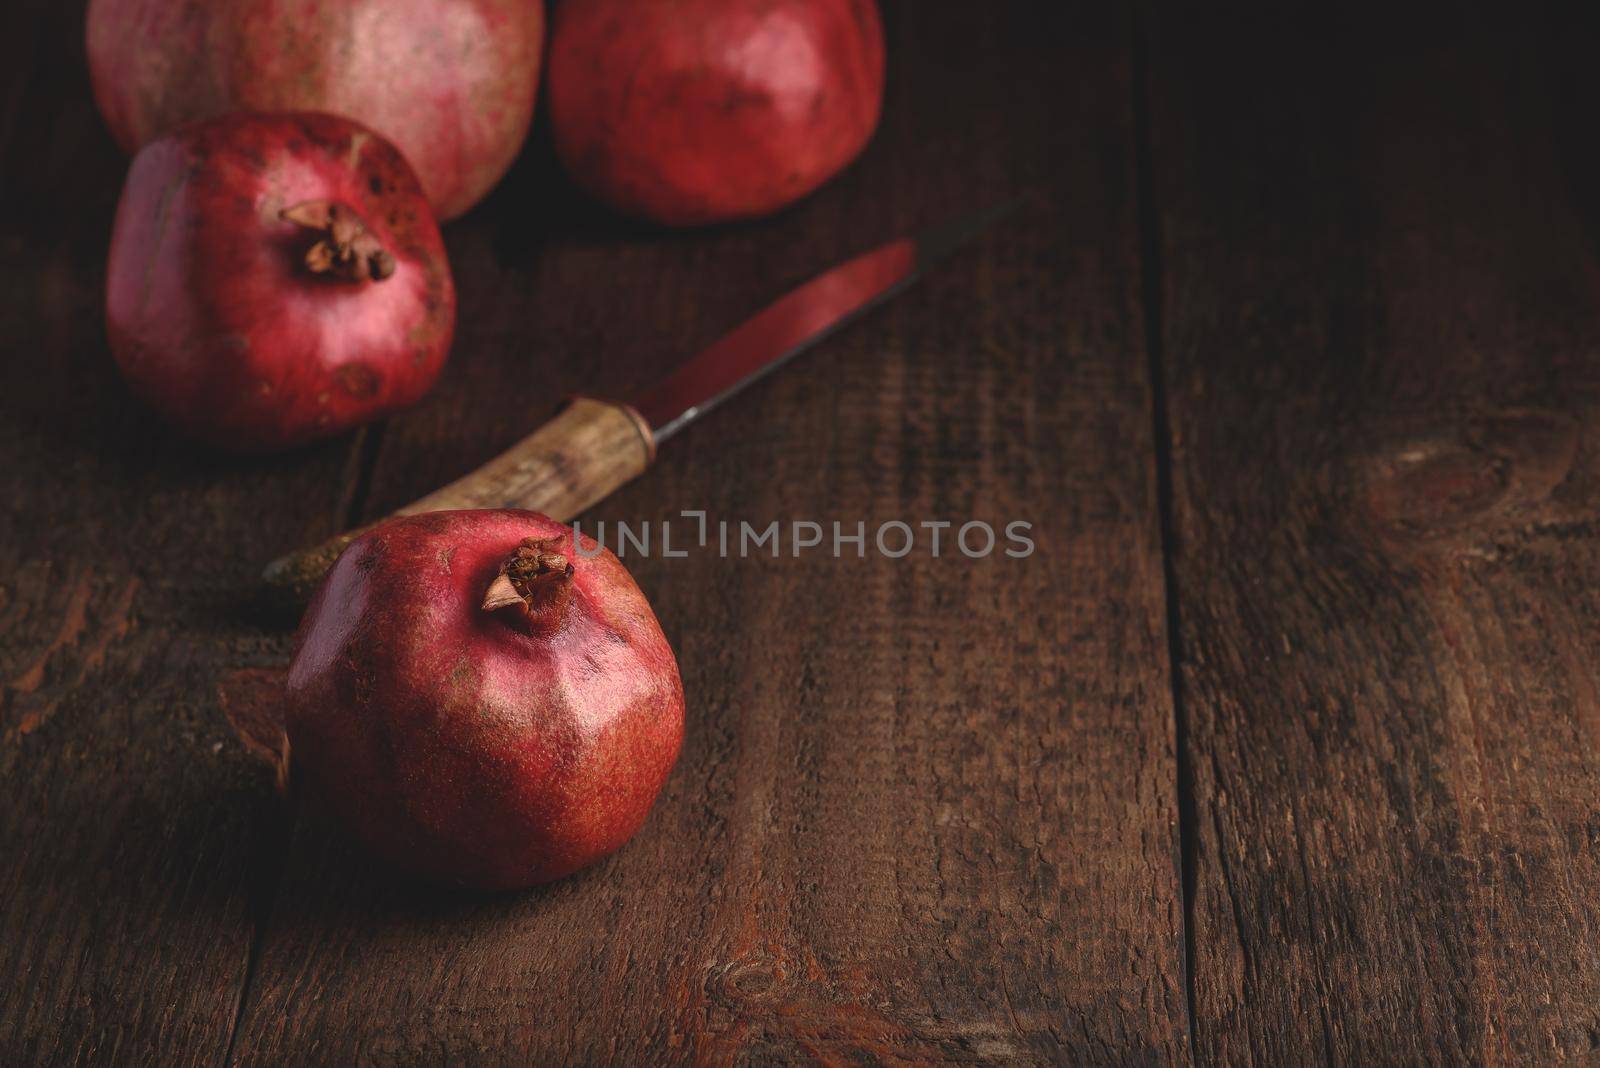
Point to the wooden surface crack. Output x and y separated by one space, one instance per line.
1151 277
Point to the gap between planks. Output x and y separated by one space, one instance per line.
1150 295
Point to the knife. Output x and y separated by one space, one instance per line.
594 447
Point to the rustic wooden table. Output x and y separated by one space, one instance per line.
1283 747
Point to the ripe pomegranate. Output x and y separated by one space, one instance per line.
276 278
701 111
451 82
478 703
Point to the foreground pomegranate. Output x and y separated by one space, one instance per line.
480 704
702 111
451 82
275 279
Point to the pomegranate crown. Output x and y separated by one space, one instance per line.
347 249
536 579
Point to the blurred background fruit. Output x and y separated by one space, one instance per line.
700 111
451 82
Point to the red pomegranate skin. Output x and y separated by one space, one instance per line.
700 111
466 746
215 319
451 82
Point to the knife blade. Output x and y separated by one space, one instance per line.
594 447
799 321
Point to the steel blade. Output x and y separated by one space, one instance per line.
798 321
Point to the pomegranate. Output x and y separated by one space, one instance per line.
480 704
701 111
451 82
275 279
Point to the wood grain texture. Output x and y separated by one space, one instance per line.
925 810
583 455
1382 347
132 831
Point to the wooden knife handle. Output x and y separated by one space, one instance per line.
585 453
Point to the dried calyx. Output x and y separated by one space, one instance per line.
347 250
536 581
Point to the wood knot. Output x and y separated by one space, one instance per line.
749 979
1433 485
1468 479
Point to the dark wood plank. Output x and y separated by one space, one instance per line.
925 809
1383 352
134 835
